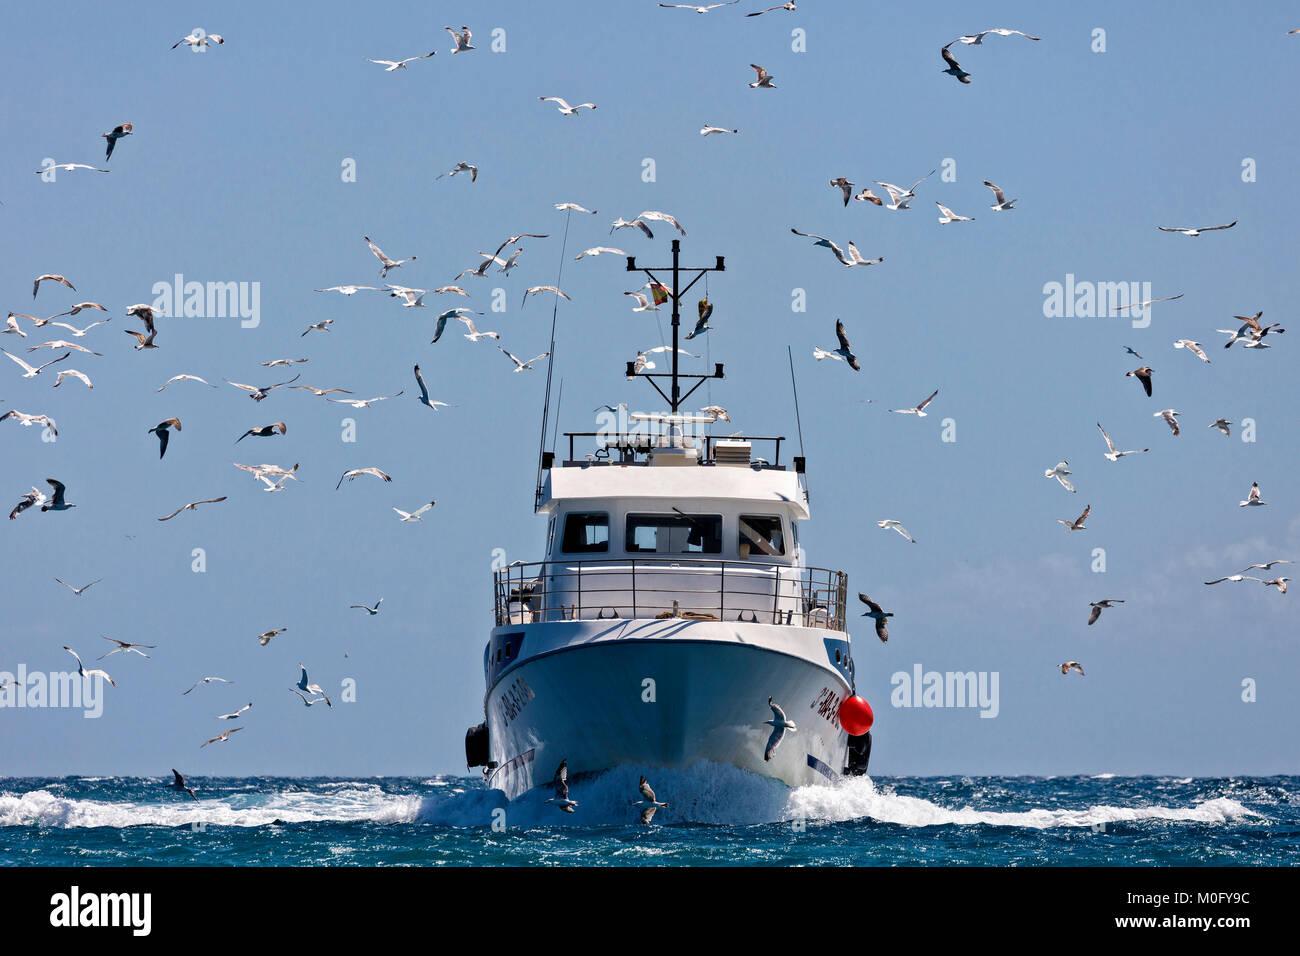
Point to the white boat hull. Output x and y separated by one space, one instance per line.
663 693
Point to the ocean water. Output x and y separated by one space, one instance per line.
717 816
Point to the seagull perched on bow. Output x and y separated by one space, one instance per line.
564 106
163 431
264 431
1171 419
647 804
764 81
414 515
372 611
889 524
878 614
125 646
1097 607
1197 231
954 68
845 351
462 167
1059 472
303 685
1001 202
256 393
1252 501
356 473
461 39
780 724
1114 455
193 506
113 136
391 65
387 262
523 366
85 672
919 410
1077 523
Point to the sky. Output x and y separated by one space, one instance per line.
238 171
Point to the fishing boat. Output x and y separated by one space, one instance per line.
673 617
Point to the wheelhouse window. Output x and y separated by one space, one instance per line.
674 534
760 536
585 533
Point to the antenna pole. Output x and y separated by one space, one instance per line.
677 321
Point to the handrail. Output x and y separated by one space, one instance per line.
692 588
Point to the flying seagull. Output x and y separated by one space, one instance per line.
892 525
197 40
265 637
206 680
714 130
77 591
125 646
779 724
69 167
564 107
372 611
717 411
461 39
1194 348
33 497
414 515
643 304
179 783
28 421
117 133
533 290
391 65
56 502
560 784
311 688
257 394
50 277
788 5
845 351
764 80
698 9
234 715
220 738
1279 583
919 410
85 672
192 506
1197 231
31 371
954 68
1252 501
1077 523
364 402
978 38
573 207
947 215
1059 472
1142 305
1143 375
844 187
358 472
1098 605
322 326
1072 666
163 431
1171 419
314 700
1236 578
1002 203
1114 455
384 259
647 804
878 614
462 167
597 250
424 398
264 431
348 289
1266 566
524 366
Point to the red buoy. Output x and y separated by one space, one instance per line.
856 716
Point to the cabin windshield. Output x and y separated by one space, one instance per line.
585 533
760 536
674 534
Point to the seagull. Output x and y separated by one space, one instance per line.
30 371
1194 348
891 525
878 614
564 106
264 431
1267 566
33 497
179 783
647 804
919 410
717 411
597 250
1003 203
764 81
413 515
12 327
711 130
868 196
825 244
947 215
898 198
788 5
192 506
62 344
856 258
1237 578
221 737
164 434
642 303
126 646
117 133
1059 472
145 341
954 68
77 591
206 680
1279 583
311 688
424 398
562 206
779 725
1143 375
1252 501
235 715
391 65
385 260
265 637
69 167
978 38
533 290
372 611
276 485
461 39
28 421
621 223
1098 605
1077 523
560 784
88 672
363 402
321 326
1133 353
1072 666
349 289
196 40
257 394
275 363
1142 305
262 471
524 366
356 473
697 9
845 351
75 374
845 187
662 217
75 310
462 167
314 700
56 502
76 332
1197 231
446 289
1171 419
1114 455
50 277
705 310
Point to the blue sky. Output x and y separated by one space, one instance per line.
233 174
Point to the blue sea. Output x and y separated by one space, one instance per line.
716 816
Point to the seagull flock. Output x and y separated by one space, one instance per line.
122 140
